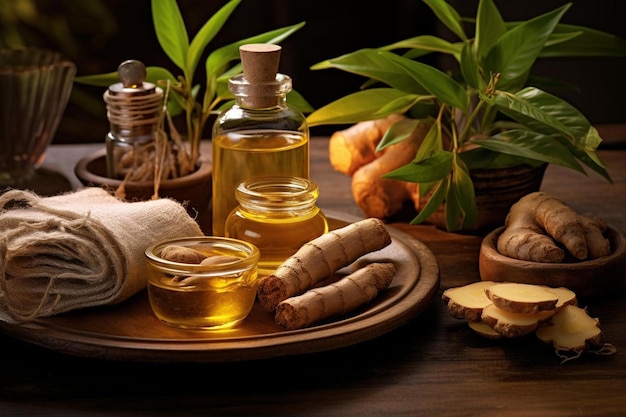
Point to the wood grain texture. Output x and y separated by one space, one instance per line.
433 365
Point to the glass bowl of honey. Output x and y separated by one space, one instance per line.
202 282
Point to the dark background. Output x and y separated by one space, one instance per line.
100 34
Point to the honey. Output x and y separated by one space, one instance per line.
278 215
212 296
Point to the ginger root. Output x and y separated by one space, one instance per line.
336 299
320 258
182 254
353 152
354 147
538 221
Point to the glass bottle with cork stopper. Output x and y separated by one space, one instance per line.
134 109
278 215
260 135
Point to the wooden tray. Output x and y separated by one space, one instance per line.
130 331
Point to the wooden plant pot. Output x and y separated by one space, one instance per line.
193 190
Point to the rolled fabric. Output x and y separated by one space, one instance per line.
77 250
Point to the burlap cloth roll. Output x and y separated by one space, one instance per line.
78 250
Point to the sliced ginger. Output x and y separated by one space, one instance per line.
467 302
552 313
571 329
522 298
513 324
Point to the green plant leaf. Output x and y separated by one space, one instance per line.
513 55
531 145
489 28
431 145
397 132
483 158
369 63
463 197
434 81
431 169
218 60
587 42
357 107
426 44
545 113
99 80
207 32
434 202
297 100
171 32
470 68
448 16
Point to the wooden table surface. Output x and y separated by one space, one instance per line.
433 365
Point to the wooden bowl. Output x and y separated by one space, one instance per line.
588 279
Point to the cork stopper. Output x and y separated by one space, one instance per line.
260 84
260 62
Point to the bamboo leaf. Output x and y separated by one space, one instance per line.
434 81
434 202
462 188
369 63
432 169
357 107
99 80
397 132
448 16
207 32
489 28
515 52
427 44
470 68
587 42
220 58
548 114
531 145
170 31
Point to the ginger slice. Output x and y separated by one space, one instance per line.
513 324
484 329
566 297
467 302
522 298
571 329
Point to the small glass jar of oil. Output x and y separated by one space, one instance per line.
213 289
278 215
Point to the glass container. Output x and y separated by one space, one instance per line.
215 290
260 135
278 215
35 86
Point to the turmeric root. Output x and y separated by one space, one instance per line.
339 298
355 146
320 258
538 217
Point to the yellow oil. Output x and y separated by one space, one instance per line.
238 156
198 300
277 237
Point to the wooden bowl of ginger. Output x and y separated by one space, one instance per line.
595 278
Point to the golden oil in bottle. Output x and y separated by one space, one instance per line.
278 215
196 296
260 135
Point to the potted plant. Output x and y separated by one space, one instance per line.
489 112
196 102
